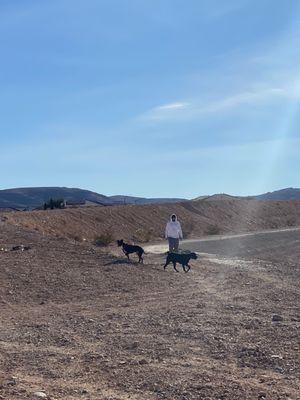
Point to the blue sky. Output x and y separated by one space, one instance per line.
150 97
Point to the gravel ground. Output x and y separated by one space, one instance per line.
81 323
281 245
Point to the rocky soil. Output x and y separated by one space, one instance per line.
78 322
147 222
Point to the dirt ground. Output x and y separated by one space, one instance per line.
143 223
78 322
277 245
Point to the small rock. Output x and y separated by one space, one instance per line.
40 395
132 346
277 318
11 381
276 356
20 247
279 370
143 362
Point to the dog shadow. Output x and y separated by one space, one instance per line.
120 262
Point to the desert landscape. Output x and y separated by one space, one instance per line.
134 135
78 321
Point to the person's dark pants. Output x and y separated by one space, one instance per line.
173 244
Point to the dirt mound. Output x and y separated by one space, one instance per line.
147 222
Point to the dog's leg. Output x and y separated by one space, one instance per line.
140 258
187 270
167 263
127 255
174 265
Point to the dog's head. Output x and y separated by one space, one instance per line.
194 256
120 242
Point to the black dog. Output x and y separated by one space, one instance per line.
129 249
182 259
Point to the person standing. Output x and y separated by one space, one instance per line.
173 233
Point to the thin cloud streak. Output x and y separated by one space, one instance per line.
193 110
173 106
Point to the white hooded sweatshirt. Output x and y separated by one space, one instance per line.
173 229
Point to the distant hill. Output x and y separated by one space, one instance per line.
143 223
143 200
283 194
29 198
35 197
220 196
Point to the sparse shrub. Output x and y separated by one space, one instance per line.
213 230
104 239
148 234
143 235
291 221
54 203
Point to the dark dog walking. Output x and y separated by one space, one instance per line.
129 249
182 259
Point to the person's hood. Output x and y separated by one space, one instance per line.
175 218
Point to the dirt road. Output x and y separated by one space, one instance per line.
279 244
80 323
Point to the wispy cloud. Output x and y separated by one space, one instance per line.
172 106
239 99
165 111
197 108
